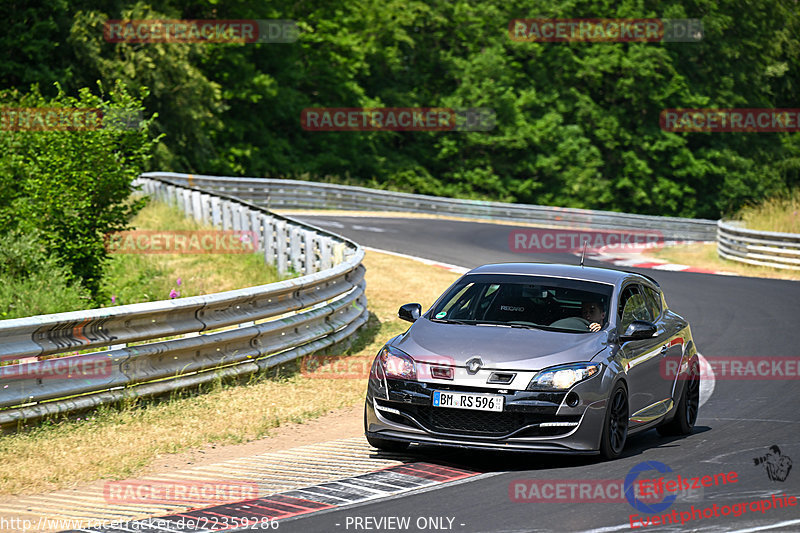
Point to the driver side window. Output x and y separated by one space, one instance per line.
634 306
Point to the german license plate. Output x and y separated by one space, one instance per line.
464 400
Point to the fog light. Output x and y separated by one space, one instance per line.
572 399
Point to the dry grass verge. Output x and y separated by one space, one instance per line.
135 278
115 443
705 256
779 213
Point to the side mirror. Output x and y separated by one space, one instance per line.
638 330
410 312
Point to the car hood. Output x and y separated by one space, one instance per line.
498 347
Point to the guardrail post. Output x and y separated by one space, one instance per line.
294 249
216 211
280 245
226 215
308 247
205 208
186 198
268 239
197 206
326 248
255 227
172 196
237 217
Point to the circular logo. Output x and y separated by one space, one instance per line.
630 495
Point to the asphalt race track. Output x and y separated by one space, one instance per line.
730 316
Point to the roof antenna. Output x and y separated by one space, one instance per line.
583 253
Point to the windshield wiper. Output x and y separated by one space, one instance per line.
522 326
527 326
450 321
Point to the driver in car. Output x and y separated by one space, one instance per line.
593 312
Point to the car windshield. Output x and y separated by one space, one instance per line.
525 301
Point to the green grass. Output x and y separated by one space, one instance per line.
65 451
33 281
135 278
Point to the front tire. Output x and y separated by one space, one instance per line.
615 428
686 416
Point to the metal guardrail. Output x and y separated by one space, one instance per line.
764 248
292 194
318 311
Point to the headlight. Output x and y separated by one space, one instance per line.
397 364
564 377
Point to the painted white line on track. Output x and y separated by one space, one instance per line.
768 526
671 267
453 268
769 420
331 223
609 529
373 229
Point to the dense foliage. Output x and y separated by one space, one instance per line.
61 192
577 122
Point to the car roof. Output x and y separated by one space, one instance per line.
603 275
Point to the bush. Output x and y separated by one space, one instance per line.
70 188
33 280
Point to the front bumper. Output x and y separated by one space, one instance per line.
530 421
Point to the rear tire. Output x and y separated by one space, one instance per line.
383 444
615 429
686 414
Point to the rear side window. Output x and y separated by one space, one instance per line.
634 306
653 300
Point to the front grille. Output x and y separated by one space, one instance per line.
482 423
474 421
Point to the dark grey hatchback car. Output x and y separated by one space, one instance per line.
536 357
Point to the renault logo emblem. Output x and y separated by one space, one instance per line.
473 365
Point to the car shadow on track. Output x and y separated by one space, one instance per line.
507 461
